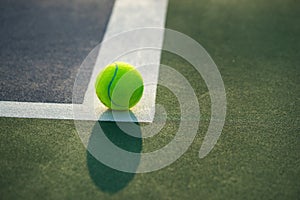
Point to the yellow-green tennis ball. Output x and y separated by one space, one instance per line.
119 86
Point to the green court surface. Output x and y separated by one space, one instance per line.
255 45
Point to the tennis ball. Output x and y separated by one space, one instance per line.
119 86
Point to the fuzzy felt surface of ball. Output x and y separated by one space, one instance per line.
119 86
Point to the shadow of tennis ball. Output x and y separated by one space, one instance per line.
105 178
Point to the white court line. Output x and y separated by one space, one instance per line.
126 15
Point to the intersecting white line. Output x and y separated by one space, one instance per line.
126 15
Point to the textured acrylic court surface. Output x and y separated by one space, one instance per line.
43 43
256 47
